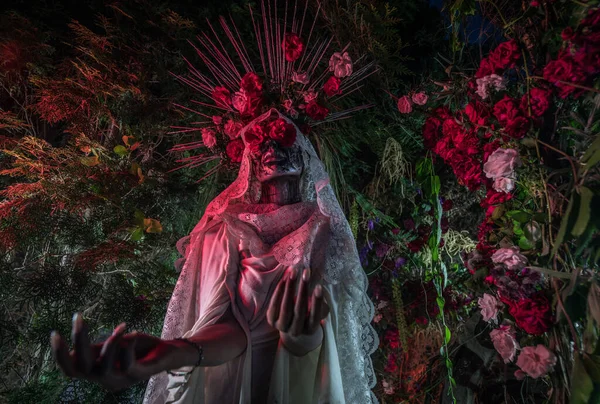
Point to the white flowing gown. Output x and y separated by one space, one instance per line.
234 259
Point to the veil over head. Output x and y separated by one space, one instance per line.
342 276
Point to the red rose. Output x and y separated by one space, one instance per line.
221 95
518 127
494 198
447 205
316 111
254 137
533 315
292 46
538 100
567 34
506 110
252 85
431 131
282 132
468 171
486 67
332 86
477 113
505 55
489 148
235 150
562 72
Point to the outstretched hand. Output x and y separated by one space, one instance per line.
291 312
117 363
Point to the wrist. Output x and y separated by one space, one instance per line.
185 353
300 345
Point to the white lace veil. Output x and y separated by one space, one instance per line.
342 275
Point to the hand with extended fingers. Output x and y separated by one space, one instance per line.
294 314
119 362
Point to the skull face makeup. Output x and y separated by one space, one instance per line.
275 161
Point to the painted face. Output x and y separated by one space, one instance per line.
275 161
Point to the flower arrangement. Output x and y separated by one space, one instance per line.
291 78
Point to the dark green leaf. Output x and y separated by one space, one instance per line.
583 217
581 383
566 223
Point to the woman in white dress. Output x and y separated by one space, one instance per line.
270 305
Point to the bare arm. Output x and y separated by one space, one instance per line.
221 343
125 359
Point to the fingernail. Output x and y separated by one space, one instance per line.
119 329
306 275
54 340
293 274
77 322
319 291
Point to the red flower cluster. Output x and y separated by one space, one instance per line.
292 46
534 314
579 60
235 150
457 144
316 111
249 99
332 86
504 56
278 129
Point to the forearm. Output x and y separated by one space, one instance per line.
302 344
220 343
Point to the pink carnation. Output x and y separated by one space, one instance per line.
511 257
505 343
420 98
404 105
217 119
484 84
232 129
301 78
340 64
209 137
489 307
388 388
309 96
536 361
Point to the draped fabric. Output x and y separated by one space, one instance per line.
234 258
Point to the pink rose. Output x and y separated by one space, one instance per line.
505 343
209 137
511 257
232 129
536 361
504 184
217 120
377 318
502 163
301 78
340 64
404 105
489 307
420 98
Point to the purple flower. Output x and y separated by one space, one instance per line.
371 224
409 224
381 250
364 261
400 261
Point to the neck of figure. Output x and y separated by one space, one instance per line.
281 191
